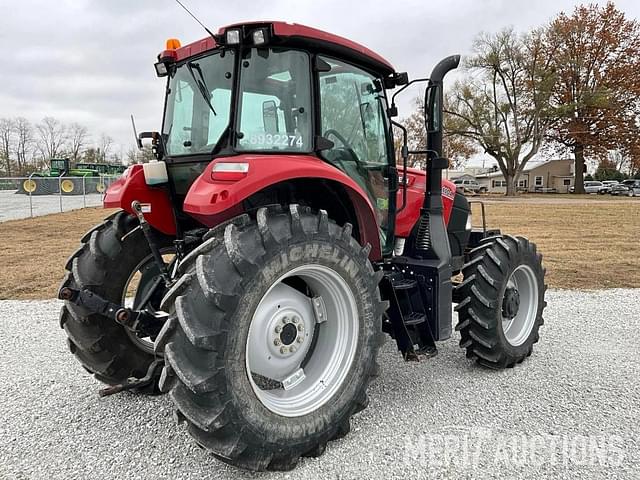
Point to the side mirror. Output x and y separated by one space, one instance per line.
157 142
270 117
396 80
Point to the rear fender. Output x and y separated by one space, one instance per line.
209 201
156 204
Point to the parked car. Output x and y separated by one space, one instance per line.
607 185
469 185
629 187
590 186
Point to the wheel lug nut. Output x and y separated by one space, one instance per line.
285 320
300 327
283 350
292 349
295 320
278 328
300 339
277 342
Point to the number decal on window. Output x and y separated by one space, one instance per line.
259 139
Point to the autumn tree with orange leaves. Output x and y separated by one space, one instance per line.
595 96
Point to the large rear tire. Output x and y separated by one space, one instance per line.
39 186
502 301
105 262
245 326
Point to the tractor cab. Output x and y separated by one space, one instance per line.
265 91
59 166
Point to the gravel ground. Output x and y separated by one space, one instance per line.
14 206
570 411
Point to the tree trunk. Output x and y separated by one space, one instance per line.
578 152
511 187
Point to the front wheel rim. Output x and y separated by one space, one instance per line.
519 314
319 319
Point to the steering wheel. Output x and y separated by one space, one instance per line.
347 145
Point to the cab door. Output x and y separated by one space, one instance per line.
352 116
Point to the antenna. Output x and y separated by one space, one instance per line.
196 19
135 133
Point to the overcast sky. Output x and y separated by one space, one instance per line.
92 61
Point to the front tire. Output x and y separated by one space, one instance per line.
502 301
242 398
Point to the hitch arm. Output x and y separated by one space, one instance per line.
139 321
131 383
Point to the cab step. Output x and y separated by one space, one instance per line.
414 318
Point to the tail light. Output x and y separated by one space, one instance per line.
229 171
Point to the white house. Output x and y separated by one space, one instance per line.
547 176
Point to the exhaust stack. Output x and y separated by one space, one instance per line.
432 242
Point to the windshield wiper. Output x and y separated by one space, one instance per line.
202 85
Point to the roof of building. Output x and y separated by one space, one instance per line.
527 168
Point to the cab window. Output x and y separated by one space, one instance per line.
352 112
275 102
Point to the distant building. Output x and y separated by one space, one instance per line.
549 176
460 176
469 173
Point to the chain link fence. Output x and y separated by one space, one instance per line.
24 197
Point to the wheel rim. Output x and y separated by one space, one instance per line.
29 186
519 305
134 291
67 186
322 327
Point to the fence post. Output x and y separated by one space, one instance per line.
60 190
84 191
30 199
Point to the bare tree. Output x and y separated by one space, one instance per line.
78 135
104 146
135 155
132 156
503 105
6 142
24 141
52 137
456 148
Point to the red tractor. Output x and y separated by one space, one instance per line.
254 270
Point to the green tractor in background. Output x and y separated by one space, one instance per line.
62 178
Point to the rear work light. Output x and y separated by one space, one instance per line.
228 171
260 36
161 69
232 37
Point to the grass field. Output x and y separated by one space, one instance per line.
587 242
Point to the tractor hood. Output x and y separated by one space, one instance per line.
416 184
